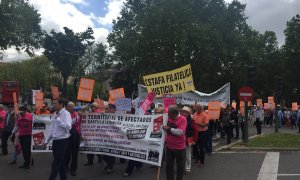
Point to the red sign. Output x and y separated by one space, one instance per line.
246 94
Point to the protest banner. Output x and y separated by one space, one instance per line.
259 102
39 100
214 108
54 91
16 109
233 104
85 91
136 137
242 107
40 131
101 104
146 103
294 106
123 104
168 99
170 82
222 95
115 94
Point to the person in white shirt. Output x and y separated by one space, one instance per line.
259 117
61 124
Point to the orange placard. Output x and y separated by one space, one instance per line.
249 103
100 103
271 102
266 105
115 94
259 102
85 91
242 107
233 104
39 100
15 103
214 109
55 93
294 106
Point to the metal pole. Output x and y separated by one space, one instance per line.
246 136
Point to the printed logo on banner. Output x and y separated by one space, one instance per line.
40 131
170 82
153 155
157 127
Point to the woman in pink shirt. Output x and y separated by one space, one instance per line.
2 118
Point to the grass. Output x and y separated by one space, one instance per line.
274 140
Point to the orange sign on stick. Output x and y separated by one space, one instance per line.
85 91
233 104
115 94
259 102
214 109
55 93
39 100
100 103
15 103
242 107
294 106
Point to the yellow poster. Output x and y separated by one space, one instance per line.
170 82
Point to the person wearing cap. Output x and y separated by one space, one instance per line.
259 118
90 157
191 134
175 142
74 140
61 123
9 124
24 127
201 120
2 118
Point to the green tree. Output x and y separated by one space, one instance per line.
65 49
19 26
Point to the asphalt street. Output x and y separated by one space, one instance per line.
219 166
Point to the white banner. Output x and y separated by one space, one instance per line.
135 137
222 95
40 130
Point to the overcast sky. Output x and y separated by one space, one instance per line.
79 14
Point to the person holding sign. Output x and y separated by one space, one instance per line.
24 127
191 135
175 143
74 140
61 123
259 118
201 120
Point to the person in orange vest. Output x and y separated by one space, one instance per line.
201 120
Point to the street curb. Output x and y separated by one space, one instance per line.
227 147
245 149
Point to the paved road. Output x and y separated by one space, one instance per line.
219 166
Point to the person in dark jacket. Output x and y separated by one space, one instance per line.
9 124
226 123
235 124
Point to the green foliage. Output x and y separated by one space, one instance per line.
65 49
19 26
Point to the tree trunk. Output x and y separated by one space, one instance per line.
65 86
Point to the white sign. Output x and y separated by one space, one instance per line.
134 137
222 95
123 104
40 130
33 95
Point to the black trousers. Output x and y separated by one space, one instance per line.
110 161
72 150
242 129
131 165
200 146
58 165
228 131
237 130
258 126
90 158
179 155
4 138
25 142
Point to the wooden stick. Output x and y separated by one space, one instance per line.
158 173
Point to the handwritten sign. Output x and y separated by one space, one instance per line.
123 104
242 107
259 102
85 91
295 106
115 94
39 100
101 104
214 109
